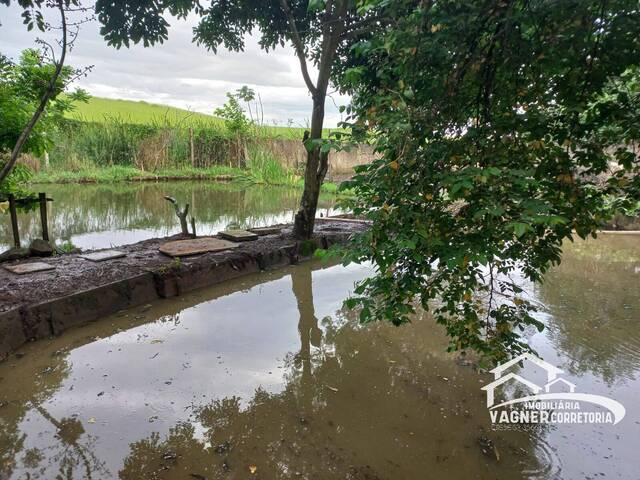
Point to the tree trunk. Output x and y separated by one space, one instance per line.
317 161
314 173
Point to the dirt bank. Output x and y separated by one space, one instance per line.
79 291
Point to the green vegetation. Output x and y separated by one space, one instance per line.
119 173
117 147
264 169
99 109
23 85
66 246
106 110
17 182
270 172
496 123
148 147
113 151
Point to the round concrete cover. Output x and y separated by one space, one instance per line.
195 246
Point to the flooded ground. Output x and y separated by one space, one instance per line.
101 216
267 377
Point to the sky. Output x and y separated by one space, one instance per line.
179 73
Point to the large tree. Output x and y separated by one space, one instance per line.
504 128
316 29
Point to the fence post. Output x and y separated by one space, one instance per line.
14 220
193 156
43 216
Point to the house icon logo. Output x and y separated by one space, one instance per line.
543 403
498 372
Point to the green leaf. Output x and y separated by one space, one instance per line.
316 5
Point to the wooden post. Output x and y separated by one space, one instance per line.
14 220
43 216
193 155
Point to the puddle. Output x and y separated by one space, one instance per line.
268 374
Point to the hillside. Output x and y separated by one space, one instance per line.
130 111
100 109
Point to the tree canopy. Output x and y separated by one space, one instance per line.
504 128
22 86
27 90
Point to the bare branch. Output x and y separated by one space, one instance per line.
181 214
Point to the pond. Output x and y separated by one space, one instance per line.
105 215
269 377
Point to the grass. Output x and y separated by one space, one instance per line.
260 172
264 169
119 173
101 110
97 109
108 141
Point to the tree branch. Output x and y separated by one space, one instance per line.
330 39
4 173
299 46
181 214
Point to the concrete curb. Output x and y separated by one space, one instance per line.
54 316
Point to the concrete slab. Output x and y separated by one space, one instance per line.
32 267
103 255
238 235
195 246
87 291
262 231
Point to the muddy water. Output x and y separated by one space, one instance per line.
99 216
269 375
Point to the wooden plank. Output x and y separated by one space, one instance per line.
196 246
103 255
32 267
238 235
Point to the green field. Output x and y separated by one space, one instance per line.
99 110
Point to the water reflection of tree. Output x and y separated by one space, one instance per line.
592 297
344 412
72 449
308 329
99 208
71 452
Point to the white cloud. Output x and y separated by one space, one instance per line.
179 73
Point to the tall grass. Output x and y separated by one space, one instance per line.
264 169
148 147
113 150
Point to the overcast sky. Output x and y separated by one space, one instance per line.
179 73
